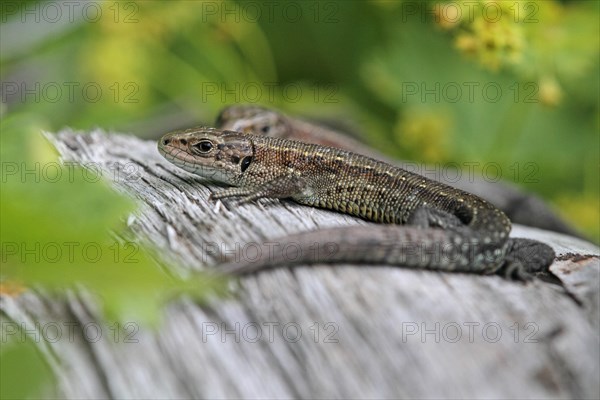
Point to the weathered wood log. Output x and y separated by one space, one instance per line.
322 331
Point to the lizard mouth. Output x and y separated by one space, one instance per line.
183 159
178 157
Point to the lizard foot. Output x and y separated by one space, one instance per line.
525 258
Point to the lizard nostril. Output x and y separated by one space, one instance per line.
166 141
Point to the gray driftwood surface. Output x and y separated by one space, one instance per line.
366 332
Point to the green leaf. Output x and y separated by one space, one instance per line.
23 373
55 233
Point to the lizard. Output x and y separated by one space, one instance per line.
422 223
521 207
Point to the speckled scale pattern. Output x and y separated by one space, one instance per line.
453 230
368 188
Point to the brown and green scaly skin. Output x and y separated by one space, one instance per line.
521 207
444 228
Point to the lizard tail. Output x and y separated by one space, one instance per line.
406 246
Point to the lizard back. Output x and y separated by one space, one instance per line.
374 190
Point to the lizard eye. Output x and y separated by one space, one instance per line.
204 146
265 129
246 161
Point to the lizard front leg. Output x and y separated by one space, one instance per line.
278 188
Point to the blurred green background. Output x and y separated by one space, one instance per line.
509 82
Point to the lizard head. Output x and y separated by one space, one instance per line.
255 120
220 156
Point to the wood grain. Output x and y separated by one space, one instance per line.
317 332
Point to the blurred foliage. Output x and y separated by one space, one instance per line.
509 82
55 232
22 373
